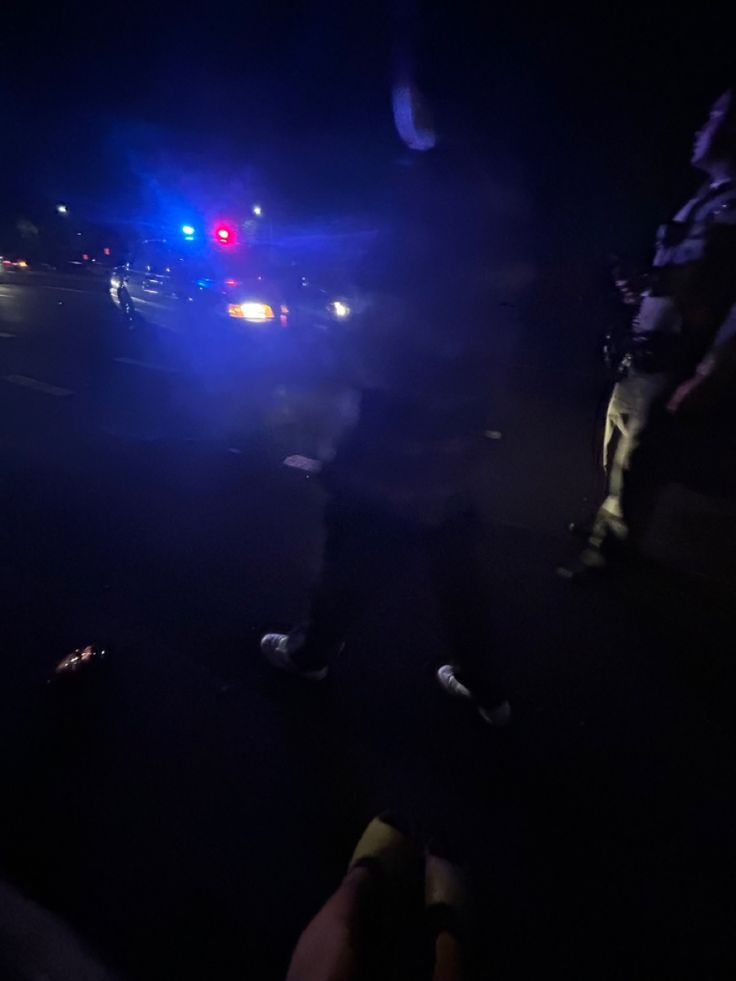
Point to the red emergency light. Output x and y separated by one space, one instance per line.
224 234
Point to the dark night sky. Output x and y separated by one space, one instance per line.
597 108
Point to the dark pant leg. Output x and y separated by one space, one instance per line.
357 540
457 552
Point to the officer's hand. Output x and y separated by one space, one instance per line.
630 293
688 397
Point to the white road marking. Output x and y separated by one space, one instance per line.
305 463
145 364
46 286
38 386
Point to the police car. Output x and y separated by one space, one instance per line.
222 284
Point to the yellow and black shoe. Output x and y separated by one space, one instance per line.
386 848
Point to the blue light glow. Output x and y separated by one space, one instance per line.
187 230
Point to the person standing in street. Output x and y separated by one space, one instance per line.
671 415
406 481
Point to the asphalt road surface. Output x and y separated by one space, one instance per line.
187 812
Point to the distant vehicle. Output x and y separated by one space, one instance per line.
13 264
86 266
248 289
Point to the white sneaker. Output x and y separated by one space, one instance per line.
499 715
448 680
278 648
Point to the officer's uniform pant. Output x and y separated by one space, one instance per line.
364 545
646 447
628 504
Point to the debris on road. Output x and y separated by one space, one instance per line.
80 660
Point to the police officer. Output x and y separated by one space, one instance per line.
668 414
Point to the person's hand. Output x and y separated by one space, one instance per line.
630 291
688 397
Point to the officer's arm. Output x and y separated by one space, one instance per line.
719 364
717 370
715 374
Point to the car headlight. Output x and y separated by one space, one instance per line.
339 309
254 313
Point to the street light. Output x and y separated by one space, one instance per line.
62 209
257 210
